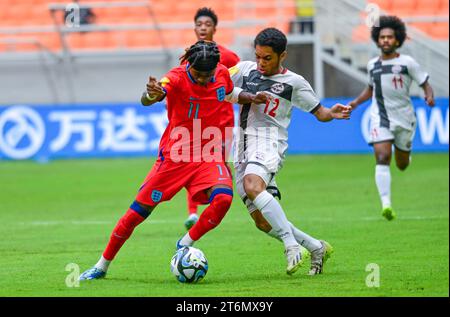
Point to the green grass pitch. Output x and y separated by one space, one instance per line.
63 212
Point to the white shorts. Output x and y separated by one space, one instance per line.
402 138
258 169
263 151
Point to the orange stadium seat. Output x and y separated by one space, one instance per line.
383 4
142 39
99 40
225 36
361 34
443 7
403 8
439 30
421 26
427 7
75 41
108 15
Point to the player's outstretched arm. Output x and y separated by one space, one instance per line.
242 97
259 98
365 95
338 111
154 92
429 94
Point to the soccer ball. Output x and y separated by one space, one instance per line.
189 265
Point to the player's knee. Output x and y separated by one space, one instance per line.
253 188
402 165
221 203
383 159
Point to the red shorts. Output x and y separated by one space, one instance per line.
167 178
228 122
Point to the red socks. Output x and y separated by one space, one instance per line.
121 233
192 205
211 216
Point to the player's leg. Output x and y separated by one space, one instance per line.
212 184
402 158
134 216
255 183
383 154
319 250
192 210
161 177
307 242
403 146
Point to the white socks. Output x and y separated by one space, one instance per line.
383 181
187 240
305 240
274 214
103 264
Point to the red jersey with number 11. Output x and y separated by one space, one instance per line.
189 103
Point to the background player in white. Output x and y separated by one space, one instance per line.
262 143
393 120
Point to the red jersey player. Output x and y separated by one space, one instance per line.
206 21
195 93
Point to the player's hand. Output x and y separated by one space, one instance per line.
339 111
352 104
154 89
430 101
261 97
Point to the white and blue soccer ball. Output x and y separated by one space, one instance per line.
189 265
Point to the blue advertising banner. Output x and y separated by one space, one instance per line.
308 135
49 132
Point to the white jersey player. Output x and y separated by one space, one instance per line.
393 120
262 142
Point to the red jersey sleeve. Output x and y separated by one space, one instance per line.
227 57
229 86
170 80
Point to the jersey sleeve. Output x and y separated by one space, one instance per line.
227 57
169 81
416 72
230 85
304 96
230 59
238 72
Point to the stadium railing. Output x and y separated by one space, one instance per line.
344 35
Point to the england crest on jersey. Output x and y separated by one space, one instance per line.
156 195
220 93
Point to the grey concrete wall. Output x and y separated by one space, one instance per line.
104 79
337 84
83 80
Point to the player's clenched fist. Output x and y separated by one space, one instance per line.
261 97
339 111
153 93
154 89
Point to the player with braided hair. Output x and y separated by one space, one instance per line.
206 22
188 156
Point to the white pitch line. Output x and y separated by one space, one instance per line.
161 221
82 222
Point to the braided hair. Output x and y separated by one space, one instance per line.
203 56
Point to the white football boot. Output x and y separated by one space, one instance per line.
294 259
